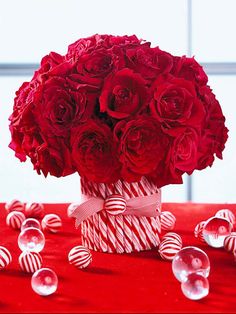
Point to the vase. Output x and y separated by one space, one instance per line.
105 232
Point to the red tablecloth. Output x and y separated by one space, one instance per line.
133 283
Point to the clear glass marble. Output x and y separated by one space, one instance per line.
44 281
31 239
30 223
215 230
195 287
190 260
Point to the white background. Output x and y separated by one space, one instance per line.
29 29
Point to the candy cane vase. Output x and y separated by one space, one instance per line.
112 229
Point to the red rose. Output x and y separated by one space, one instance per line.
123 94
214 134
149 62
52 65
175 104
53 157
22 121
181 157
94 153
142 146
92 43
189 69
61 103
183 152
93 67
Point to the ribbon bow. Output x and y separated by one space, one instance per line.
116 204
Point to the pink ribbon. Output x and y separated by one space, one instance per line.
137 206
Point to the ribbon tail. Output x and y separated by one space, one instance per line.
144 206
87 209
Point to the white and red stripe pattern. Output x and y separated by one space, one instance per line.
15 205
198 231
169 248
111 231
227 214
80 256
71 208
15 219
172 236
168 220
30 261
34 210
51 223
115 204
5 257
230 242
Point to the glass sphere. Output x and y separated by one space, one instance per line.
31 239
190 260
30 223
44 281
196 287
215 231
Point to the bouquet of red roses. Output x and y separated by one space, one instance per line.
115 108
129 119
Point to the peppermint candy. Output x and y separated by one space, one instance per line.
15 205
173 237
51 223
30 261
5 257
230 242
34 210
168 220
71 208
115 204
169 248
80 256
198 231
227 214
15 219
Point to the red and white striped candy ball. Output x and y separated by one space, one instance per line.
169 248
51 223
34 210
227 214
230 242
173 236
71 208
80 256
30 261
15 219
115 204
168 220
5 257
198 231
15 205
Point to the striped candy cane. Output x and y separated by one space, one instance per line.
120 233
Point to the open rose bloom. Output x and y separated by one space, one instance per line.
129 119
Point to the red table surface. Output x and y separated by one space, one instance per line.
117 283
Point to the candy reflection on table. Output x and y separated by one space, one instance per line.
190 260
30 223
44 281
195 287
216 230
31 239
